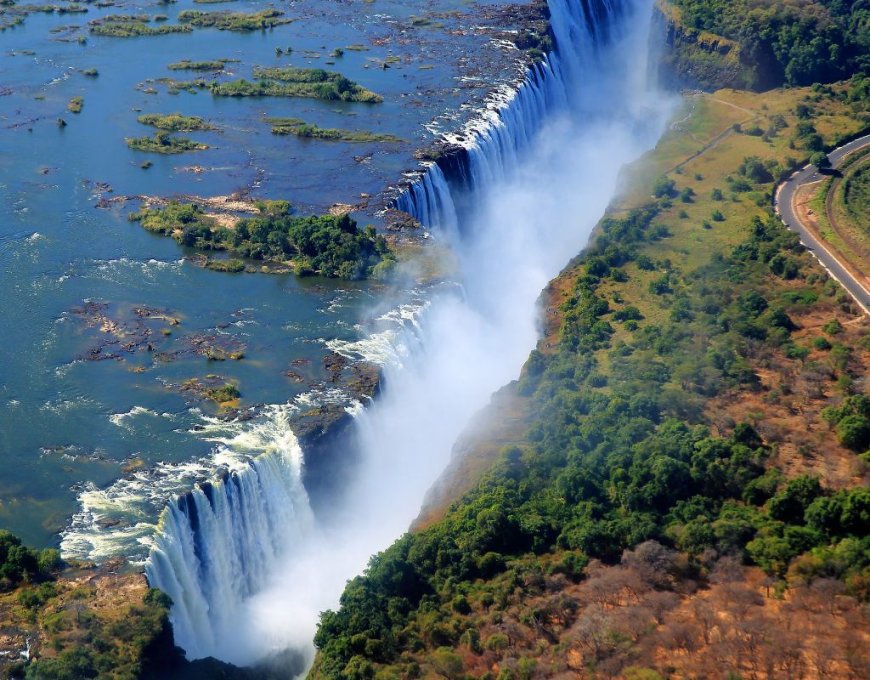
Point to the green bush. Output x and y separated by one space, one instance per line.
664 187
832 327
497 642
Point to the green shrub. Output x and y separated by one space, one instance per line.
497 642
832 327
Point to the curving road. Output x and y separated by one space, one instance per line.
784 205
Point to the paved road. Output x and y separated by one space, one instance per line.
784 205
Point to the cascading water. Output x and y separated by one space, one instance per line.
247 567
218 544
581 28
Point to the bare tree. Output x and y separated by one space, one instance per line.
822 656
613 586
826 591
789 661
739 599
653 562
855 654
590 629
752 633
706 617
680 635
727 570
632 621
660 603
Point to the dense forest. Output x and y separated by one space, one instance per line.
792 43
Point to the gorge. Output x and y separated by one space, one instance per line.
247 563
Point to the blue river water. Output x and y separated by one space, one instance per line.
75 276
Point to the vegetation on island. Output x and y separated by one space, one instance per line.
311 83
234 21
175 122
13 14
224 394
76 104
174 86
780 42
332 246
213 387
131 26
187 65
232 265
165 143
689 493
299 128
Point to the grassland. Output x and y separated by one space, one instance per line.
703 152
841 210
853 202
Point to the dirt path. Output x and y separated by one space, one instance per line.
718 138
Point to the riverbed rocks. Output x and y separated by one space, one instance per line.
119 333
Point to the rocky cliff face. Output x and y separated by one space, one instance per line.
698 59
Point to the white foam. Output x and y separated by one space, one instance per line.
122 419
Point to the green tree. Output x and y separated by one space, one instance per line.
853 432
790 504
820 160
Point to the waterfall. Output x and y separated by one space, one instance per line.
444 197
431 201
518 194
217 545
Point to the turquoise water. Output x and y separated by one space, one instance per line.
68 423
